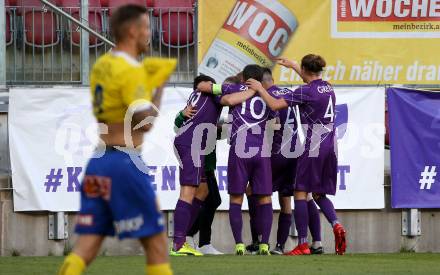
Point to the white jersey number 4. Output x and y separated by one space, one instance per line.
329 113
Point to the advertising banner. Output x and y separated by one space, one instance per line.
52 134
363 41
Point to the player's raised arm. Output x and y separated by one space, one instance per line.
291 65
157 70
143 105
143 119
274 104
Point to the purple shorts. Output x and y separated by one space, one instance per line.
318 174
191 172
256 171
283 174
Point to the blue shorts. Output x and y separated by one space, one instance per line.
117 198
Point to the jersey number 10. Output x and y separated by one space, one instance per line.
252 108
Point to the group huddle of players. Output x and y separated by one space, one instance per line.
117 197
281 141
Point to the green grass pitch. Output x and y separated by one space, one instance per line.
401 263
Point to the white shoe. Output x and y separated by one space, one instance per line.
209 249
191 242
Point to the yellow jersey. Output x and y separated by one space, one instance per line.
118 80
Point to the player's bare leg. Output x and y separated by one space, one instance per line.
236 221
84 252
301 222
187 193
284 222
202 191
329 212
155 248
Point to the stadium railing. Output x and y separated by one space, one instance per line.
44 47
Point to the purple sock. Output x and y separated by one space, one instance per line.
314 221
236 221
182 215
301 220
328 209
284 223
265 217
253 203
196 205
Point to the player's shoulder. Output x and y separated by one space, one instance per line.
304 89
324 87
279 91
116 64
152 64
233 88
239 87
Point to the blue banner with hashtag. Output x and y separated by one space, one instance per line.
415 148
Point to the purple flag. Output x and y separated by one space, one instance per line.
415 148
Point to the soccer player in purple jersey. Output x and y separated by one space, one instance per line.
195 139
249 162
284 171
206 215
317 166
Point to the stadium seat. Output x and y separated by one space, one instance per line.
11 3
113 4
165 6
176 22
104 3
10 20
94 19
8 28
40 24
177 29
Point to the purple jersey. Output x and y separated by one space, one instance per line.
249 119
287 120
208 111
317 167
316 102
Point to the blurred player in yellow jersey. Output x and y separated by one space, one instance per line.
116 195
